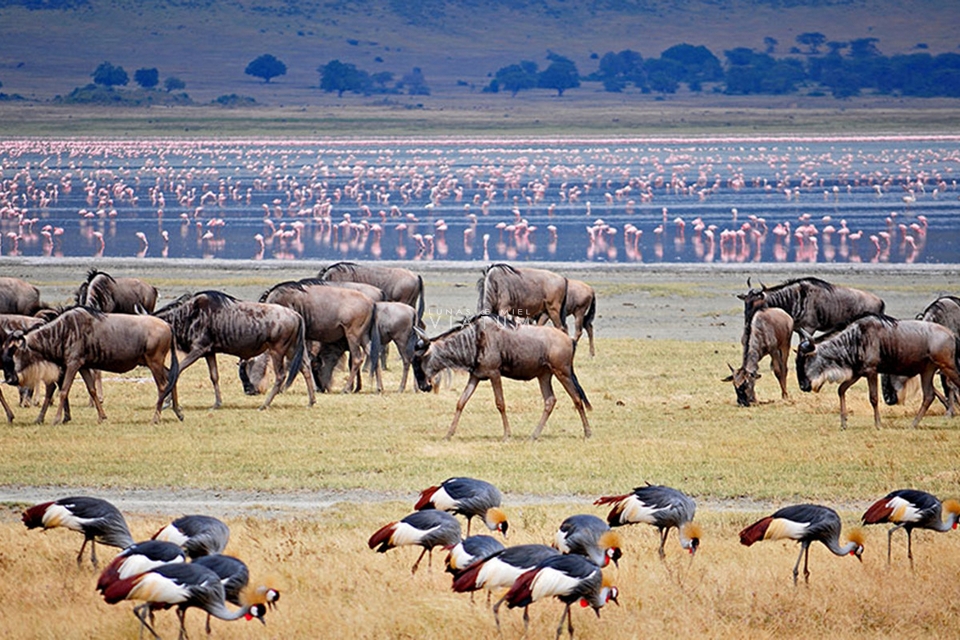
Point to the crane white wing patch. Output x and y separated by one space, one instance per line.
636 510
550 582
404 533
780 528
58 515
495 574
153 587
903 511
442 501
171 534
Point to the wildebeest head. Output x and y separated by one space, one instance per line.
743 383
753 299
421 362
23 367
253 374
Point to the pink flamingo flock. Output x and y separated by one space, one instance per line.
383 199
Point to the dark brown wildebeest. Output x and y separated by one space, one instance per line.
769 336
82 339
105 293
396 283
211 322
945 311
331 313
874 344
9 323
523 293
489 347
814 304
19 297
396 323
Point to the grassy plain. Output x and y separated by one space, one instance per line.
660 415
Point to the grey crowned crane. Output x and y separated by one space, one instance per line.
662 507
468 497
199 535
428 529
588 535
910 509
98 521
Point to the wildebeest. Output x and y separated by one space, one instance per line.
82 339
582 305
9 323
770 335
19 297
211 322
945 310
522 292
396 283
103 292
330 313
489 347
875 344
814 304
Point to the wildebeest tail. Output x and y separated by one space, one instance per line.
576 383
563 304
375 346
591 313
174 368
420 303
296 363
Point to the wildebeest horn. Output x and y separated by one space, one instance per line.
421 333
806 335
748 282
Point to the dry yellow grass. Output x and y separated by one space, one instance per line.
660 415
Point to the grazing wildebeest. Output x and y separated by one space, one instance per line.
330 313
489 347
10 323
770 335
396 283
875 344
116 295
945 310
82 339
397 323
814 304
211 322
19 297
523 293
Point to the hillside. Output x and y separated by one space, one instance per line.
49 47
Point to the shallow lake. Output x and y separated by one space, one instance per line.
804 199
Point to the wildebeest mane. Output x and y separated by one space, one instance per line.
883 319
217 300
339 266
289 284
936 309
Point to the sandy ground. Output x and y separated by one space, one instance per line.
659 302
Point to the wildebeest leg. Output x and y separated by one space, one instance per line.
842 392
926 384
306 369
68 375
549 402
461 403
211 359
497 385
278 370
571 388
90 379
356 360
779 363
6 408
874 398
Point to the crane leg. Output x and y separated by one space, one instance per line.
417 563
910 548
496 612
141 611
806 571
796 567
663 541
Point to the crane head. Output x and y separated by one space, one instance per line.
690 534
496 520
952 507
856 536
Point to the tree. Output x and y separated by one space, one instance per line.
340 77
561 75
813 40
147 78
617 69
415 83
110 76
516 77
266 67
174 83
696 64
770 44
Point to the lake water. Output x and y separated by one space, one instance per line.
798 199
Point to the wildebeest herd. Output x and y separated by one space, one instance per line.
305 327
301 327
858 341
